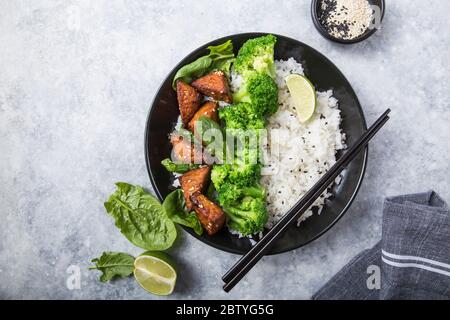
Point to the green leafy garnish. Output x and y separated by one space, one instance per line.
141 218
220 57
212 136
113 265
178 167
175 206
211 192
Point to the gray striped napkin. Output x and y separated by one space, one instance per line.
412 261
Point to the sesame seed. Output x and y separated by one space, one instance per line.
345 19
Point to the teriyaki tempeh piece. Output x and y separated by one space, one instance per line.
189 100
214 85
194 181
211 216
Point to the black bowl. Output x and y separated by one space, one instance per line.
315 12
324 75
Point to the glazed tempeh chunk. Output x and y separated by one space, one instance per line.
189 100
214 85
185 151
211 216
194 181
209 110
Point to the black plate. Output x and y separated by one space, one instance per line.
324 75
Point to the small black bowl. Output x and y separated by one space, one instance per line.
315 17
324 75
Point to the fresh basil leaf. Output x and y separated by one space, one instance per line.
141 218
220 57
175 206
178 167
113 265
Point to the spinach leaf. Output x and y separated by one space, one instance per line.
175 207
206 125
113 265
220 57
211 192
193 70
221 50
178 167
224 65
211 134
141 218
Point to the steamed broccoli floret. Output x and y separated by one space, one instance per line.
239 175
242 116
247 155
233 182
219 174
230 194
256 55
244 175
261 92
254 191
248 217
255 63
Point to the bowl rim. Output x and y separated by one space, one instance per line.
147 139
325 34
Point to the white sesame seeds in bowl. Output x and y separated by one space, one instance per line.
347 21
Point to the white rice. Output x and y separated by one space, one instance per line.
306 151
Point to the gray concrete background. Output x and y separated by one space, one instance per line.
76 82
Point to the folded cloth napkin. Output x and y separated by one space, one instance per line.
412 260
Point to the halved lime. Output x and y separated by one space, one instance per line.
303 95
155 272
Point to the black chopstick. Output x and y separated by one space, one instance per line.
246 262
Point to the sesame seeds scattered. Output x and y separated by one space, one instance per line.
345 19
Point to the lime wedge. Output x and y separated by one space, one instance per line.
155 272
303 95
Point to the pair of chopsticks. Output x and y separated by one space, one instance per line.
244 265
